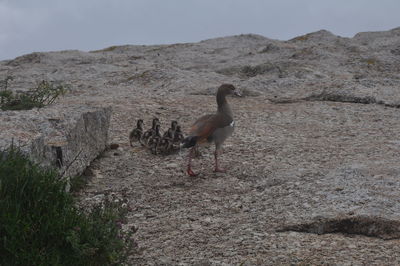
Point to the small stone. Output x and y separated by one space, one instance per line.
172 165
114 146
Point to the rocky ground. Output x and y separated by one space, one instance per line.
313 174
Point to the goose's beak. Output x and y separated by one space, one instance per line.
236 92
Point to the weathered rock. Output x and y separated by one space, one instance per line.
67 138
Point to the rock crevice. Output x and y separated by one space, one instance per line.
358 225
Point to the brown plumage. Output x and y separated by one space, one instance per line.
212 128
154 140
146 136
136 133
166 142
178 136
171 130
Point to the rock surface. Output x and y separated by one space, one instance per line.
313 164
65 137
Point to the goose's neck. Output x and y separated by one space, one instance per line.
223 106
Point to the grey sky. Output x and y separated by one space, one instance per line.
46 25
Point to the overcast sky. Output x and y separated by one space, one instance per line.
46 25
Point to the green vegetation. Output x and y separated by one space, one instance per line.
108 49
77 183
249 71
301 38
41 225
43 94
371 61
252 71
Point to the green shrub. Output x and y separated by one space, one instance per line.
301 38
43 94
41 225
108 49
77 183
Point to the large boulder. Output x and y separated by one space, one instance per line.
67 138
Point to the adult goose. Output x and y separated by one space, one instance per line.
213 128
